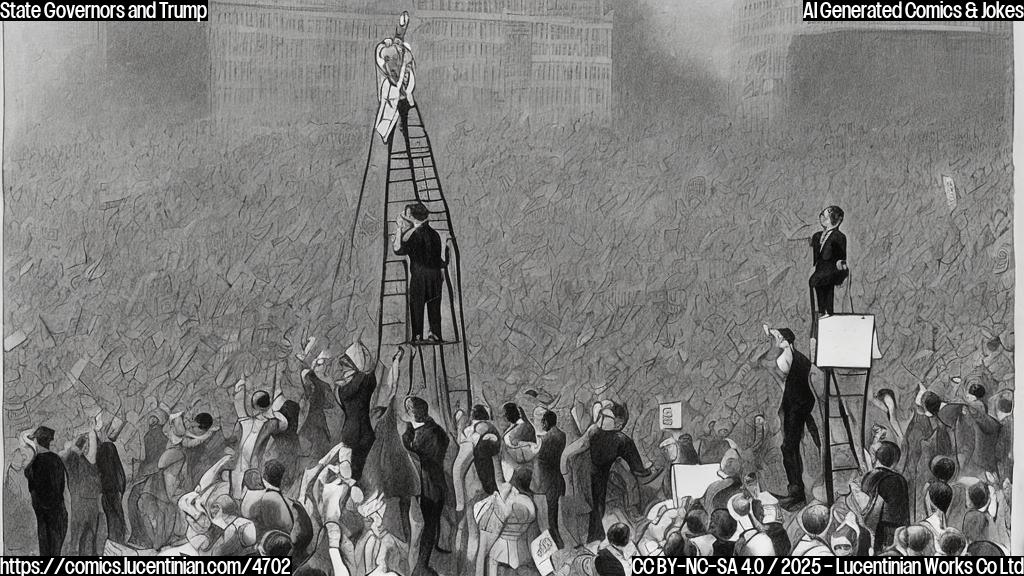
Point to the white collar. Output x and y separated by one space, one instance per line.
417 425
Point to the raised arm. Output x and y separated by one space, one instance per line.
27 442
240 400
211 476
90 454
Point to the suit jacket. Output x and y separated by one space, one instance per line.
606 564
825 258
890 488
354 398
547 474
423 247
429 443
797 395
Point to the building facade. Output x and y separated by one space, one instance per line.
764 30
313 61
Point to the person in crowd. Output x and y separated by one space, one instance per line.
314 433
378 552
263 502
613 560
730 471
767 515
354 393
887 490
987 549
428 443
846 538
18 541
503 519
548 484
180 439
1004 414
829 260
258 420
514 440
978 521
952 542
47 480
285 446
920 541
695 528
814 521
944 471
146 476
112 478
85 489
607 444
722 527
415 238
951 437
793 370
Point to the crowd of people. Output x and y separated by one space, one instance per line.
375 495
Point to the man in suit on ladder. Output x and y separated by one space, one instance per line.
828 248
422 244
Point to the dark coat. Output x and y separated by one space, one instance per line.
429 443
547 475
825 258
889 491
606 564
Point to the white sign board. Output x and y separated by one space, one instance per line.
847 341
950 187
692 480
670 416
542 549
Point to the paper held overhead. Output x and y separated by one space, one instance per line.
670 416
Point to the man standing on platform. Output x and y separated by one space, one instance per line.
828 250
793 370
422 244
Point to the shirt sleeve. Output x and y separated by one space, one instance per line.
629 453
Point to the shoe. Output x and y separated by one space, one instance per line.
433 339
792 503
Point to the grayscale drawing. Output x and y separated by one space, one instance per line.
493 287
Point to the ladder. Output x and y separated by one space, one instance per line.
840 457
440 371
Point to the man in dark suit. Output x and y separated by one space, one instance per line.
607 444
612 560
796 412
428 442
889 506
422 244
47 479
828 249
548 483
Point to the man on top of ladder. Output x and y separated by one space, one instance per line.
395 63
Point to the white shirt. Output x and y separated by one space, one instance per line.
785 360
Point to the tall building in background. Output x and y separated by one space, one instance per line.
552 58
312 60
284 61
764 31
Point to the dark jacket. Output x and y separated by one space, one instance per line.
797 394
354 398
46 477
423 247
108 464
547 473
429 443
825 258
606 564
888 490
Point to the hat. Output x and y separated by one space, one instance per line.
358 357
667 442
42 433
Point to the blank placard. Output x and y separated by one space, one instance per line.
846 341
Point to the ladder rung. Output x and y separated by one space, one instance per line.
393 323
841 444
845 468
395 280
402 181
